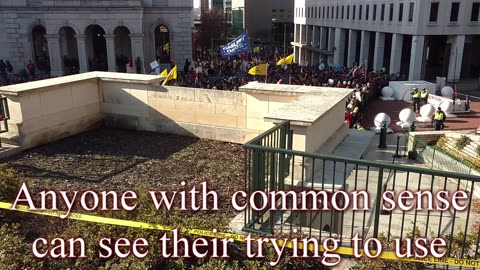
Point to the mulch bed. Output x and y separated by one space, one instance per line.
114 159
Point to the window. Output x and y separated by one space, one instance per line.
367 15
454 11
343 11
360 12
400 12
475 12
410 12
375 12
348 12
382 14
323 12
390 15
332 12
434 11
328 12
337 11
282 10
316 12
274 10
353 12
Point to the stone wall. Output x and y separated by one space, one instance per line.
51 113
47 110
209 114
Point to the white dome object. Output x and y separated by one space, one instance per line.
447 107
387 91
447 92
407 116
380 118
427 110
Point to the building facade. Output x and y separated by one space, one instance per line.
265 20
420 39
69 36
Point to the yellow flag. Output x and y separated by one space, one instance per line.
164 73
171 76
259 70
285 61
256 49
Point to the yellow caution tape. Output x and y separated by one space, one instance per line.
387 255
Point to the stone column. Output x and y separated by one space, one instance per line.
331 39
82 53
352 47
111 55
323 38
416 58
308 35
137 49
296 33
365 47
396 53
28 47
338 54
456 58
54 54
303 34
315 36
379 50
297 54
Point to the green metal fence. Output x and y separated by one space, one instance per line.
272 166
437 158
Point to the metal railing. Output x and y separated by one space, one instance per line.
271 165
437 158
4 116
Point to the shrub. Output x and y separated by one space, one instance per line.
13 248
9 183
462 142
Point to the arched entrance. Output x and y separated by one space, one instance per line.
123 47
96 48
40 49
68 50
162 43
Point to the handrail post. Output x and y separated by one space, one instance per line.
378 203
397 155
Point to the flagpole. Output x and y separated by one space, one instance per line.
266 75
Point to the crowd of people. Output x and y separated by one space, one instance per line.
211 71
9 76
214 72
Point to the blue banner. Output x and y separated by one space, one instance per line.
238 46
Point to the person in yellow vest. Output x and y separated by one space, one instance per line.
439 118
423 97
416 100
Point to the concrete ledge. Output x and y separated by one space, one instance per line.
22 88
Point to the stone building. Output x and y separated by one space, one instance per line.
420 39
69 36
276 17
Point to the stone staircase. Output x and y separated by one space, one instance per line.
468 153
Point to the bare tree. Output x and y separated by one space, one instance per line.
214 29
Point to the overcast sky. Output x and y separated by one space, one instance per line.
196 3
